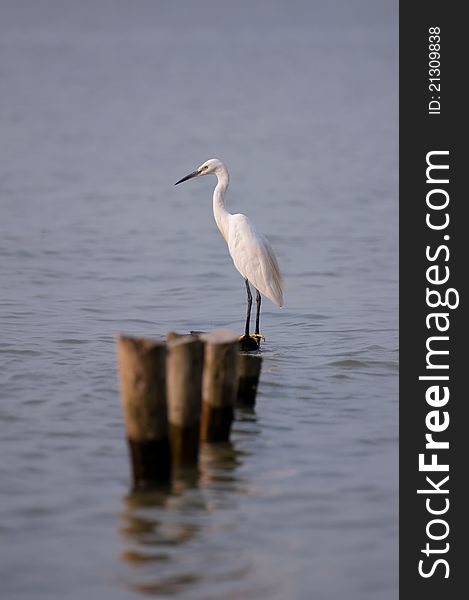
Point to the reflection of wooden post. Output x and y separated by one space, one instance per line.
249 371
185 361
219 384
142 376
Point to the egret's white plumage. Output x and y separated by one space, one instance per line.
254 258
251 252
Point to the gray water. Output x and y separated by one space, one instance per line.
103 106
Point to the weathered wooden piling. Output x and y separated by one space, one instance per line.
184 392
249 372
173 335
142 377
219 384
248 343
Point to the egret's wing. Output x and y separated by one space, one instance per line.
254 258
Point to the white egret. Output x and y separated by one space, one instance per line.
251 252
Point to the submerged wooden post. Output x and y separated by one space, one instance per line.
249 371
142 376
184 389
219 384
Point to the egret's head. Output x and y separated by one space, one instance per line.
209 167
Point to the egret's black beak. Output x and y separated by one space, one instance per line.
190 176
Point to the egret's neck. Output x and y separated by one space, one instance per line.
219 211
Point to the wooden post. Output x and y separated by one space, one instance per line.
173 335
184 389
219 384
249 371
142 376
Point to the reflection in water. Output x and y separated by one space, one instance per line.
154 524
157 524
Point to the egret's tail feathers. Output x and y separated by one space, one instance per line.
276 285
275 293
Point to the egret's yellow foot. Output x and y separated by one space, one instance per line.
258 337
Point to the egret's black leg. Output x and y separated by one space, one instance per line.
248 316
258 312
248 343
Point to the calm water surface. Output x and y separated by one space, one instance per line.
104 105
